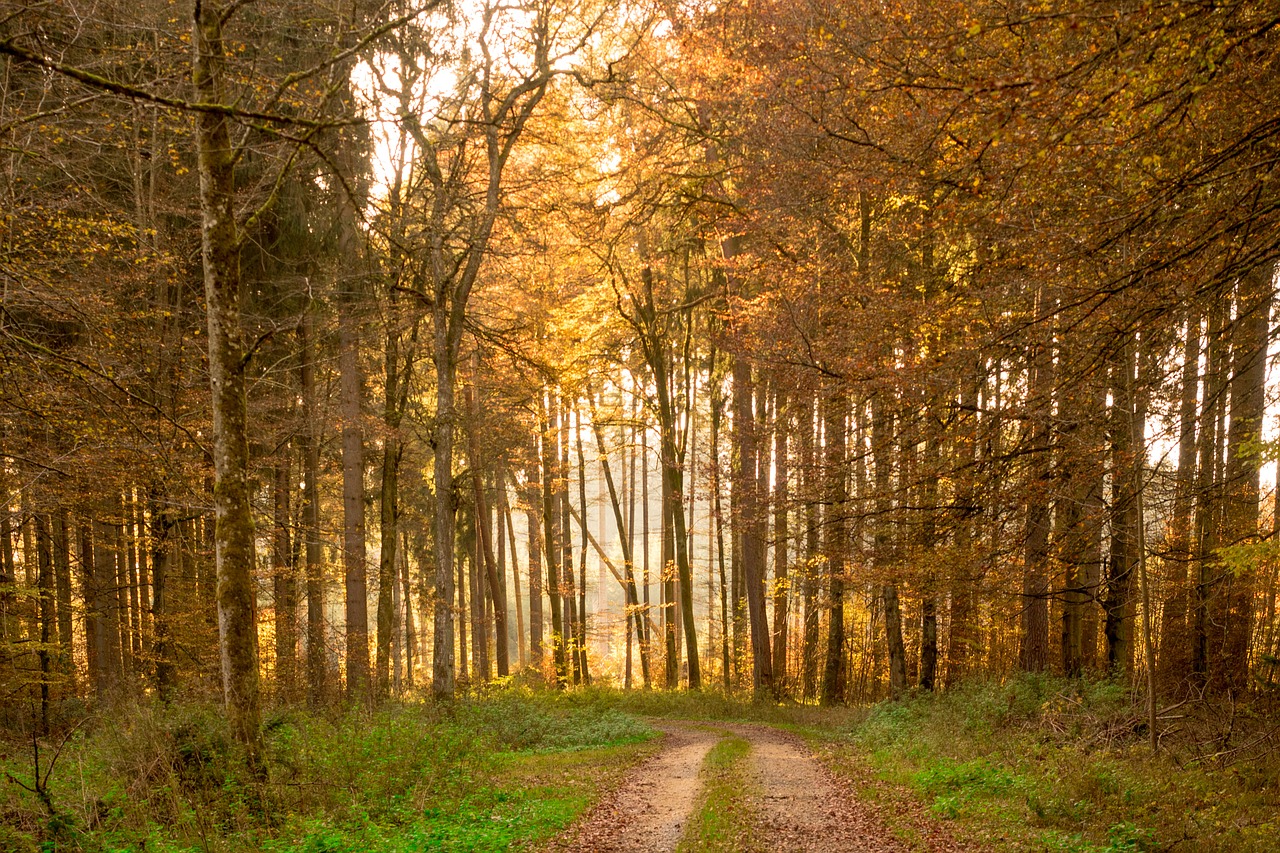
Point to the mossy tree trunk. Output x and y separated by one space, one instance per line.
228 358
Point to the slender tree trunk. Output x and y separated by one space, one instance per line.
1207 485
533 489
1080 516
462 561
394 387
781 581
717 416
508 525
309 444
142 601
882 445
46 614
1126 481
1249 339
1034 648
62 583
106 605
835 465
746 483
812 549
284 584
132 619
123 548
443 672
496 586
474 549
1174 657
550 540
410 628
667 590
88 594
582 549
163 532
228 358
568 588
9 629
962 597
354 558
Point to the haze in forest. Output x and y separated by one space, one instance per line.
814 354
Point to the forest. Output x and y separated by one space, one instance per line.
474 389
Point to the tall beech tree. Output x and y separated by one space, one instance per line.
228 359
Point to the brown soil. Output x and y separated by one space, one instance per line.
648 813
802 806
797 803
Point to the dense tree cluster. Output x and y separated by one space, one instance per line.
813 348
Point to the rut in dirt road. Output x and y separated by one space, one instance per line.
800 806
795 803
649 813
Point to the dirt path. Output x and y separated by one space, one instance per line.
802 806
799 805
649 812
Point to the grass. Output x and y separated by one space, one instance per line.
1040 764
1034 764
509 769
722 816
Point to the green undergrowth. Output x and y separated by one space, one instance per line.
722 817
1045 764
510 768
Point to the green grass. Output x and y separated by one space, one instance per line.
722 817
1035 764
1040 764
502 770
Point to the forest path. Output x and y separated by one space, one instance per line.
795 803
802 806
651 809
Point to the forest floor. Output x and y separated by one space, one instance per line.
773 794
1030 764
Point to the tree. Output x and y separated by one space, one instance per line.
228 358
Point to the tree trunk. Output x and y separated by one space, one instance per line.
394 388
46 615
443 676
550 540
228 359
717 417
62 583
882 445
163 532
284 585
1034 649
533 490
354 558
410 628
781 582
1080 515
746 516
1174 657
1249 337
508 525
309 444
810 583
1208 489
581 637
496 587
835 546
1127 463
